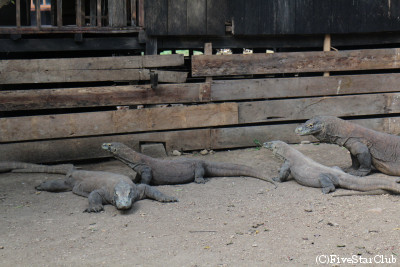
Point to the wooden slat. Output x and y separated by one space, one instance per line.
78 13
114 122
236 137
89 69
177 17
222 90
141 13
67 29
103 96
18 12
59 13
304 108
197 17
38 14
66 76
294 62
156 17
90 147
99 13
133 13
92 12
117 16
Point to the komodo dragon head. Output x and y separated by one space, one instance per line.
124 195
312 126
279 148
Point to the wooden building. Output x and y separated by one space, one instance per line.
92 72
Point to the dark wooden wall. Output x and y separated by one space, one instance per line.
270 17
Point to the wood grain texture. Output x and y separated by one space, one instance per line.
295 62
90 147
305 108
117 13
222 90
114 122
103 96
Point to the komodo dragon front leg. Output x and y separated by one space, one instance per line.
284 172
147 191
360 159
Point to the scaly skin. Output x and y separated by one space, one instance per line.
159 171
367 147
307 172
99 187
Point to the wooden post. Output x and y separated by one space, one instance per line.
78 13
133 13
59 13
208 51
117 13
53 12
38 15
327 47
99 13
93 7
141 13
151 46
18 12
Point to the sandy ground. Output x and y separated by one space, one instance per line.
225 222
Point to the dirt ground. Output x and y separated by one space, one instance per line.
225 222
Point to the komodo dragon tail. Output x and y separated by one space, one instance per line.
56 169
220 169
372 184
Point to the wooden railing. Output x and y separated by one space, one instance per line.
121 16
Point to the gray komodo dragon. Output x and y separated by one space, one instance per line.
160 171
307 172
99 187
367 147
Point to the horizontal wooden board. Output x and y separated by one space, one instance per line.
103 96
305 108
65 76
295 62
113 122
222 90
90 147
127 68
237 137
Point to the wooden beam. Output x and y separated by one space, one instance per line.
327 47
223 90
78 13
103 96
99 13
59 13
90 69
93 8
38 14
67 29
113 122
18 12
305 108
133 13
141 13
90 147
117 16
295 62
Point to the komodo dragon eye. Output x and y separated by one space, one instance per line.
310 125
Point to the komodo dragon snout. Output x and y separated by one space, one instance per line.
109 147
124 196
312 126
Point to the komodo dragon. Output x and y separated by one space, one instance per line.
160 171
367 147
307 172
99 187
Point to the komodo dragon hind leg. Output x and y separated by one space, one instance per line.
199 172
54 186
327 182
361 159
284 172
147 191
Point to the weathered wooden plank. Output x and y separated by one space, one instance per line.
38 14
65 76
90 147
294 62
141 13
156 17
117 16
197 17
78 12
222 90
304 108
67 29
103 96
99 13
177 17
59 13
92 63
217 13
18 13
113 122
133 12
92 12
